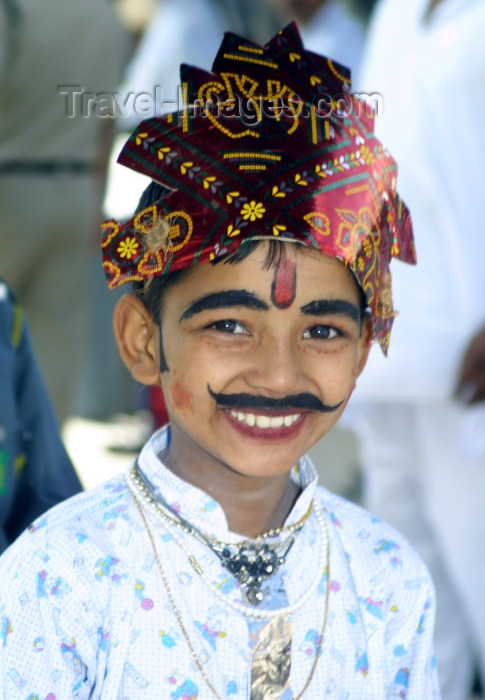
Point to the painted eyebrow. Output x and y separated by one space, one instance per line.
327 307
220 300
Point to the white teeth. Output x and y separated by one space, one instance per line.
249 418
264 422
277 422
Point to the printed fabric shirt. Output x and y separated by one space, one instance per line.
84 611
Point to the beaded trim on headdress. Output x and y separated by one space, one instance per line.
271 144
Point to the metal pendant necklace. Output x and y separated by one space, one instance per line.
251 562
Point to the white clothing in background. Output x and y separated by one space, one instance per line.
431 74
430 71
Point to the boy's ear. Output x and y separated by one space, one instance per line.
137 338
366 341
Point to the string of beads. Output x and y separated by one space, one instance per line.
143 495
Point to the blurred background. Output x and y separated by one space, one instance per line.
412 444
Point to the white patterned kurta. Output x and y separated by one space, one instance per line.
84 612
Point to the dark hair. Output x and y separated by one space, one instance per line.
151 291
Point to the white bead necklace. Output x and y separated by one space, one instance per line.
141 493
138 480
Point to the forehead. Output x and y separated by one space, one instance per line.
313 274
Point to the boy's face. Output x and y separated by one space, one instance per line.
261 363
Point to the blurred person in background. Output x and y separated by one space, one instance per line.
53 154
35 470
422 424
330 27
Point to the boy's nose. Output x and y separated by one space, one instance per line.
277 368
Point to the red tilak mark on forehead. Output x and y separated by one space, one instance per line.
283 288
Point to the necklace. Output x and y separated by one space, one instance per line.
251 562
138 478
141 493
180 622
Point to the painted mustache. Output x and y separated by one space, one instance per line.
265 403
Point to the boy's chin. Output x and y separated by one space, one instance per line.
260 463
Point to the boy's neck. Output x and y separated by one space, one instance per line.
252 505
252 513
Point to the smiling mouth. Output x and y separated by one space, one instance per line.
265 421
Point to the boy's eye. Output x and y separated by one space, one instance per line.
228 326
321 332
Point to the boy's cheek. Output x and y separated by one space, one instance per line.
180 394
182 397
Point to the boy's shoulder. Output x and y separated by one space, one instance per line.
88 518
87 508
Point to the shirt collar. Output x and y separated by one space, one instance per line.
198 507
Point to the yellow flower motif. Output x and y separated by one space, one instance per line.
252 211
367 247
128 248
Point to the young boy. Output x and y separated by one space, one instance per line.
217 568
